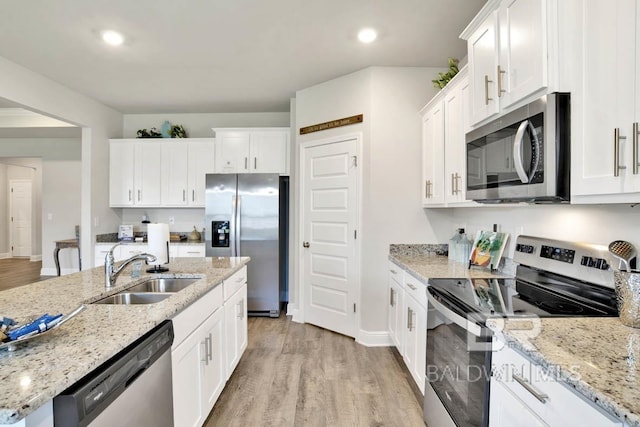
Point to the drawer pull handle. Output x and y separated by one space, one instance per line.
393 271
542 397
413 288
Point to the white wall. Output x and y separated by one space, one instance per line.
199 125
598 224
58 169
389 98
4 213
184 219
38 93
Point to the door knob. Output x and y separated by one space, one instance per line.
305 244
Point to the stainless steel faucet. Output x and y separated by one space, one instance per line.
111 272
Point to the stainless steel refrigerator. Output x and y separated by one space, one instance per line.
247 215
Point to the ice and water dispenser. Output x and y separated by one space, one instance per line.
220 231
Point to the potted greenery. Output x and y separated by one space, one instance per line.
444 78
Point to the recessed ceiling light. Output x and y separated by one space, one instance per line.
367 35
113 38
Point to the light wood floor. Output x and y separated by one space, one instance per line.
300 375
19 271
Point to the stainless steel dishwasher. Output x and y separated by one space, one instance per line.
131 389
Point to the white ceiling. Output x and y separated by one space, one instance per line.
212 56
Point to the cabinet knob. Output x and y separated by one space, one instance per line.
305 244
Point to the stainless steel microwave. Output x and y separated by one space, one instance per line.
523 156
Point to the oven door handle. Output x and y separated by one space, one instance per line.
468 325
518 160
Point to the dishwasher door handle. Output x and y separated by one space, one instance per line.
140 368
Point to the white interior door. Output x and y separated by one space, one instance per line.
20 218
329 222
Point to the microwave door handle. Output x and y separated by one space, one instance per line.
517 152
535 150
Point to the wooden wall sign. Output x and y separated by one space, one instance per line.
332 124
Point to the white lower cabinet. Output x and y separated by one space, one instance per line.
120 253
415 329
198 372
408 321
396 303
190 251
210 338
510 411
523 394
235 313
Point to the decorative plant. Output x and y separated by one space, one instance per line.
168 131
444 78
152 133
177 131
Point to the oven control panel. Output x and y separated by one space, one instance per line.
559 254
583 261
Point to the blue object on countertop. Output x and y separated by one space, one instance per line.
6 321
41 324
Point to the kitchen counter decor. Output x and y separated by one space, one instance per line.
628 294
35 328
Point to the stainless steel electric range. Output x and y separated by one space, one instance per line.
553 278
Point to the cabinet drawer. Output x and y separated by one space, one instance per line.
561 406
186 321
235 282
191 251
395 273
416 289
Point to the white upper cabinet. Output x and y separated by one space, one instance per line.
508 55
174 173
523 49
252 150
159 172
201 161
456 124
185 162
433 154
483 62
445 120
606 104
134 173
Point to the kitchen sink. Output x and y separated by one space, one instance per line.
170 284
128 298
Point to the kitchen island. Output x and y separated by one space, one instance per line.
45 366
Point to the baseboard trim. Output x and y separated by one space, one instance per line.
374 339
5 255
36 258
292 310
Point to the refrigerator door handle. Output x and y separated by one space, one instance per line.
238 224
232 225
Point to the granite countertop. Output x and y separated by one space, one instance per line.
41 368
598 357
113 239
172 243
429 261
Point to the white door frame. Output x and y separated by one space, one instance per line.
10 223
358 250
